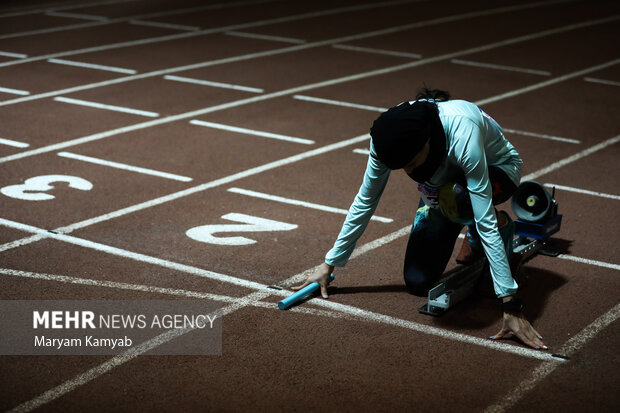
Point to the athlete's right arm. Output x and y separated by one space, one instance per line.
360 212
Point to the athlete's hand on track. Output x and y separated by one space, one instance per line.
321 276
516 324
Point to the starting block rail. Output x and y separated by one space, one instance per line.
459 283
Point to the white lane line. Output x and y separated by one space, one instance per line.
92 66
572 346
102 3
76 16
13 143
36 32
107 134
218 182
307 46
437 332
188 269
68 386
362 151
379 242
603 81
20 242
125 167
117 285
81 102
14 91
583 191
546 83
380 109
572 158
162 290
163 25
251 132
500 67
119 360
107 366
83 4
541 135
15 55
127 356
577 259
263 288
290 201
339 103
589 261
395 29
213 84
186 192
227 179
377 51
265 37
128 18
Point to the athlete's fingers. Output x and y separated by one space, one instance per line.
299 287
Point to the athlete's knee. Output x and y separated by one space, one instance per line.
417 282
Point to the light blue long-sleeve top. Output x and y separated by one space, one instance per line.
474 141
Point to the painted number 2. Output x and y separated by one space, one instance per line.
34 189
205 233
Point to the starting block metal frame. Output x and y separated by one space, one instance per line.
459 283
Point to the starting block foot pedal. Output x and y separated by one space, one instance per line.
547 252
429 309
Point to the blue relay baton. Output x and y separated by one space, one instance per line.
301 295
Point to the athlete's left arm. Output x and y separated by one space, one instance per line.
474 164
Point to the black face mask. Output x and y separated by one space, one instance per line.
436 154
423 172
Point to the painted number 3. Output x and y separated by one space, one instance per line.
205 233
34 189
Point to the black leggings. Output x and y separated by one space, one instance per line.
433 234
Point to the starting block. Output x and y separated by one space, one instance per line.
532 233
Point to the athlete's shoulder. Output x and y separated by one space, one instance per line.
458 107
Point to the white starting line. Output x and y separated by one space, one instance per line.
14 91
500 67
380 109
265 37
213 84
339 103
375 33
76 16
602 81
572 346
113 108
13 143
92 66
15 55
177 292
614 318
266 291
237 129
542 136
377 51
123 166
570 159
589 261
296 202
583 191
163 25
